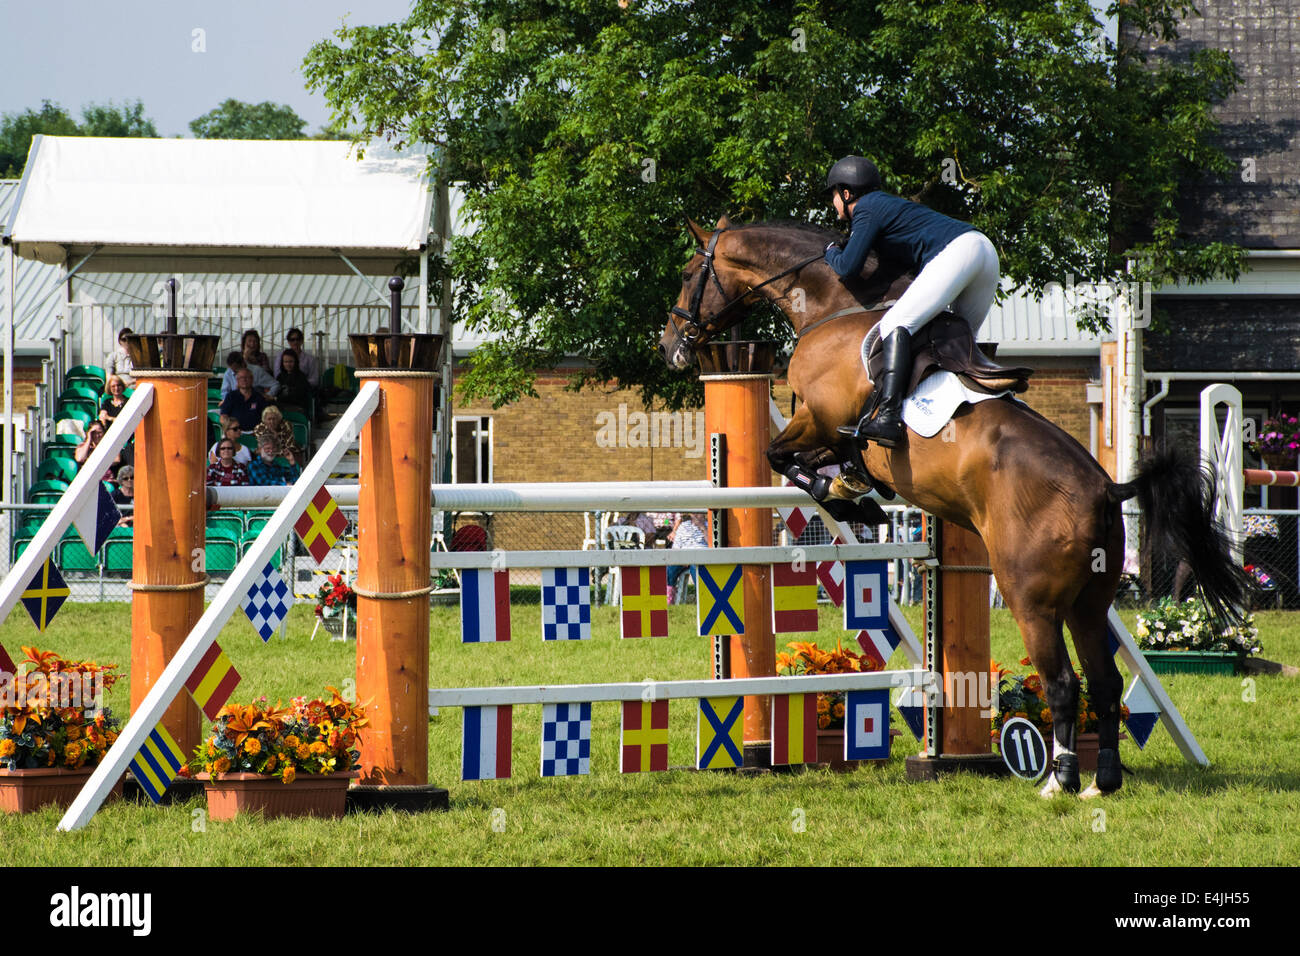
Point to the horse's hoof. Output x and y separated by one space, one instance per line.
1065 769
1091 792
1051 788
1109 775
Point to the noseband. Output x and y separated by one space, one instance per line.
693 332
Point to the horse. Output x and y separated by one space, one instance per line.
1047 512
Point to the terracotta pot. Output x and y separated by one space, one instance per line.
830 750
22 791
310 795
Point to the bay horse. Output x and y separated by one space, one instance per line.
1046 510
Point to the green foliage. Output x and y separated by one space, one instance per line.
17 129
585 132
234 119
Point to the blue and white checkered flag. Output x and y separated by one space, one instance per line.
267 602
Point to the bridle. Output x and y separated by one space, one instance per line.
692 331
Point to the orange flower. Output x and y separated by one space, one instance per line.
823 705
252 746
7 748
289 773
838 710
222 765
1046 715
823 721
318 748
301 752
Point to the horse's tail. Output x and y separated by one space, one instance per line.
1177 496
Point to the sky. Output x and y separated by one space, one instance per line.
75 52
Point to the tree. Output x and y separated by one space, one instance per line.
234 119
17 129
584 133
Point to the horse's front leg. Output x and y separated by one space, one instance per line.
801 449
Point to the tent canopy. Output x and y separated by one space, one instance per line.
162 205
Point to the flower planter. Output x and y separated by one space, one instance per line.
830 750
1194 662
310 795
334 625
22 791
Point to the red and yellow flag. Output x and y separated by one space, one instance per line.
794 728
213 681
645 602
321 524
794 598
645 736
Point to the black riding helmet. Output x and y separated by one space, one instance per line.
857 174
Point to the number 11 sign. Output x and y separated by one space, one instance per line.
1023 749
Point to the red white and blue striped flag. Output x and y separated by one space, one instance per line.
484 606
487 738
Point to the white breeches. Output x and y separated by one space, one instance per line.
963 277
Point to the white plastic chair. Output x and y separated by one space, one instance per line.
620 537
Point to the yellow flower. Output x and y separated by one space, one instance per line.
301 752
252 746
7 748
223 764
289 773
292 741
212 750
318 748
838 709
823 705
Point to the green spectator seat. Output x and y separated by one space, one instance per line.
88 376
214 397
56 485
246 542
81 391
255 521
21 541
62 446
117 551
228 520
57 469
79 414
222 551
69 405
73 554
249 441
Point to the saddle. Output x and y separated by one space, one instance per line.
945 342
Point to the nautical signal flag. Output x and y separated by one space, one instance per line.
866 595
794 598
213 681
866 725
566 739
157 763
46 594
267 602
321 524
719 735
485 750
645 736
831 576
6 662
911 707
878 644
1143 712
97 520
484 605
720 600
796 519
794 728
645 602
566 604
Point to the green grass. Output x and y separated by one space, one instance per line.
1243 810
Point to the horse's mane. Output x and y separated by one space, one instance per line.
803 239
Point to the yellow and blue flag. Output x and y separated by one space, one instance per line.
157 763
719 740
46 594
721 604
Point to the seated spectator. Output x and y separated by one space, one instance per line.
113 402
262 381
307 363
274 427
295 389
119 361
94 435
642 520
250 344
244 404
267 469
688 532
227 471
230 429
125 494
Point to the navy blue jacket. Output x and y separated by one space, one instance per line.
900 230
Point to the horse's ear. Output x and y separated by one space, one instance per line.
724 222
700 235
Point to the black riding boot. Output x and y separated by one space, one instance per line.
887 427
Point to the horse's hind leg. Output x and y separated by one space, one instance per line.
1087 623
1045 642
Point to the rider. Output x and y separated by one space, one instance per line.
956 267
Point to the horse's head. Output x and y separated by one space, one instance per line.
712 299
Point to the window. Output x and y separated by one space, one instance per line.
471 454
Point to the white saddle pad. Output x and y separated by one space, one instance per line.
931 406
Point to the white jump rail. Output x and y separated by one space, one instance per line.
82 493
654 557
674 689
172 680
